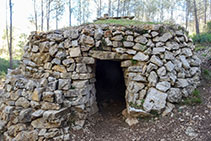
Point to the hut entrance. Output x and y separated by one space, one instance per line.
110 87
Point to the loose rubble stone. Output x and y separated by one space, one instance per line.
163 86
141 57
155 100
156 60
174 95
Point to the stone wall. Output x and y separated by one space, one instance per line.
53 90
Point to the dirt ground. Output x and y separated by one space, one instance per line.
185 123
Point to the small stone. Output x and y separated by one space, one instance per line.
64 84
59 68
168 109
163 86
40 123
35 48
23 102
169 66
187 52
37 114
165 37
139 47
154 34
117 38
152 78
36 95
81 68
59 96
48 96
190 132
156 60
75 52
50 106
98 34
136 77
53 50
151 67
141 39
182 83
25 115
108 42
56 61
158 50
128 44
141 57
185 63
131 121
161 71
155 100
174 95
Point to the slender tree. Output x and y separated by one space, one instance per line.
205 11
35 15
109 7
10 44
118 5
196 17
70 13
42 15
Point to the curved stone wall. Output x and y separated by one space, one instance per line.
53 90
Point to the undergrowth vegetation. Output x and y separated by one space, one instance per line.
4 65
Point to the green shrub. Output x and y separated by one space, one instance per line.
202 38
209 27
4 65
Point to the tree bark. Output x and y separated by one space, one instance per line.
48 8
100 8
10 45
205 11
187 13
35 16
42 15
196 17
70 13
118 8
57 18
109 7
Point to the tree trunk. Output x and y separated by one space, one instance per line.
196 17
187 14
161 10
100 8
10 46
48 4
42 15
57 18
124 8
205 12
118 8
70 13
172 10
35 15
109 7
79 18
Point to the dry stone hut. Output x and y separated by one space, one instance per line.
54 89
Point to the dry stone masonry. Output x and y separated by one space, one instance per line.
53 90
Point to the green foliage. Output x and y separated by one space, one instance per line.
207 74
122 22
134 62
209 27
194 99
200 47
4 65
202 38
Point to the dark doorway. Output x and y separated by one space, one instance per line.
110 87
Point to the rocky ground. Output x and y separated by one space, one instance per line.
185 123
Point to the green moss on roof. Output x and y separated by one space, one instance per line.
123 22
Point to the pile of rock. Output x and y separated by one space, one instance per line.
54 87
